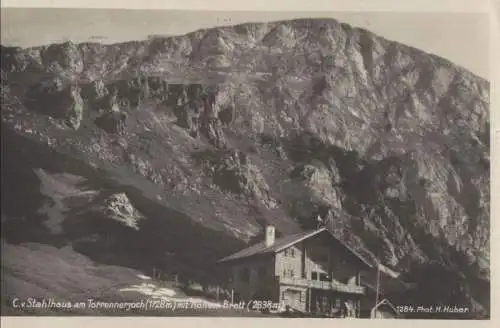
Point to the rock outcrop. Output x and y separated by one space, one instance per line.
55 98
118 207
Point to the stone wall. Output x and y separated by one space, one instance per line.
296 297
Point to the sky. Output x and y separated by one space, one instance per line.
460 37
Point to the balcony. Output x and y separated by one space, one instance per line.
325 285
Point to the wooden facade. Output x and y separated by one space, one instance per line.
311 272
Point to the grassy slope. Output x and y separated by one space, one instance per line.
32 270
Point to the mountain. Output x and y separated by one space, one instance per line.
176 151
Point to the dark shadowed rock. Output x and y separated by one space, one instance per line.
64 58
55 98
112 122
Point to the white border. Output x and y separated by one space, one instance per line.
472 6
268 5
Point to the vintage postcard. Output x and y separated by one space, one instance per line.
248 164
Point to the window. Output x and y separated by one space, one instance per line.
288 272
314 275
290 252
324 277
291 295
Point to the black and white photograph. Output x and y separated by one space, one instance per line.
270 164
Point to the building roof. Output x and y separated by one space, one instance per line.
389 281
284 242
387 303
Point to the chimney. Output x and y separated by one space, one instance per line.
270 236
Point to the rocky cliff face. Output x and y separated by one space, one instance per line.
220 131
